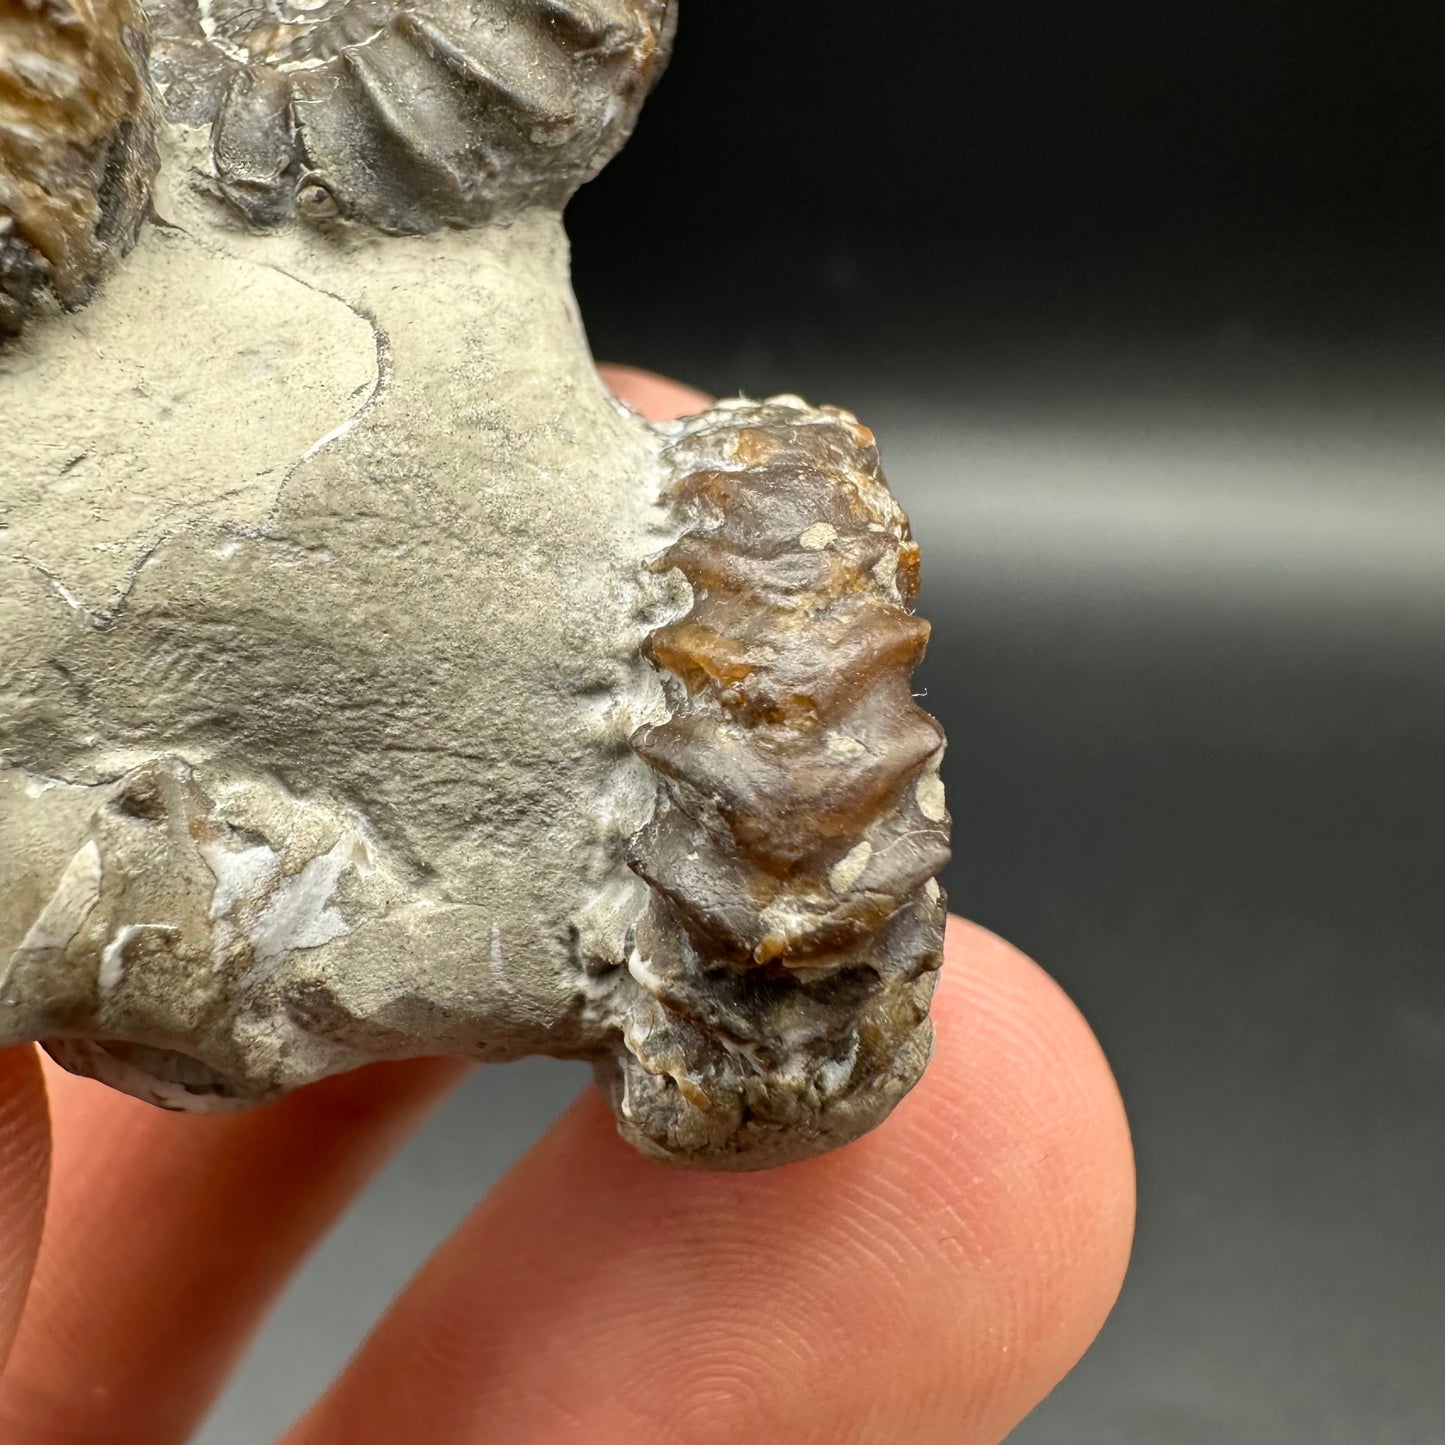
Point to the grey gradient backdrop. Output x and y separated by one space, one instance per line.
1147 305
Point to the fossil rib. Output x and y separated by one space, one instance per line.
409 116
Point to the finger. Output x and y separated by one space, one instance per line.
928 1284
656 397
169 1234
24 1173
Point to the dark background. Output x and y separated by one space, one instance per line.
1147 303
817 178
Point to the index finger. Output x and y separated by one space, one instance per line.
24 1179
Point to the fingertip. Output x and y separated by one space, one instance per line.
1018 1129
658 398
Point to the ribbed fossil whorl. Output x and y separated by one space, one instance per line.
800 818
411 115
801 802
77 151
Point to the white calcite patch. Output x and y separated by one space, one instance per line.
300 914
930 796
75 896
276 913
848 870
111 973
834 1075
643 972
846 749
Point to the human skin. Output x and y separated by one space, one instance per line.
927 1285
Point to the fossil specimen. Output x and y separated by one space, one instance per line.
372 684
77 150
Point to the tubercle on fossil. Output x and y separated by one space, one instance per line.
77 148
794 928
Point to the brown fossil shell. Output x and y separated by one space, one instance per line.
77 147
795 926
411 115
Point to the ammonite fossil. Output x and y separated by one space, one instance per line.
372 684
77 151
409 116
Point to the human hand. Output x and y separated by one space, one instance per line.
924 1286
